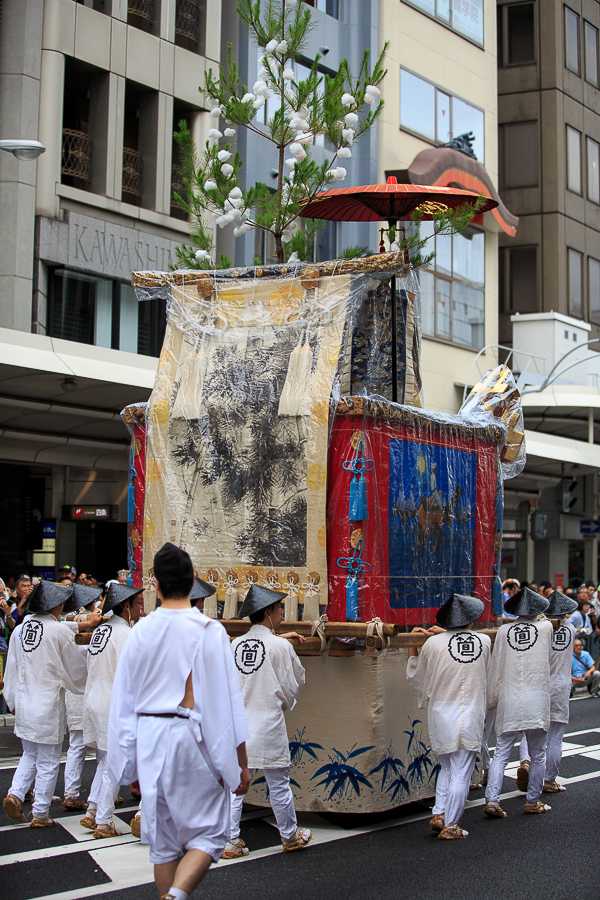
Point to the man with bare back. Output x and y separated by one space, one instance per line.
177 725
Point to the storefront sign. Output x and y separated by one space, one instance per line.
513 535
90 513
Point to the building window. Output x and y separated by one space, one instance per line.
452 292
573 160
571 40
594 289
593 171
436 115
190 25
516 34
465 17
518 153
518 279
574 266
85 120
329 7
105 313
591 53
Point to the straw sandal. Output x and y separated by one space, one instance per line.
452 833
30 796
136 826
13 808
537 807
301 839
42 823
437 823
74 803
118 800
89 821
234 849
523 776
553 787
494 811
106 831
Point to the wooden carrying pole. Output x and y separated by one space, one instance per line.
237 627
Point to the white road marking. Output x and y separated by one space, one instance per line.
125 860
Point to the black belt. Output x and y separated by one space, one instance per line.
164 715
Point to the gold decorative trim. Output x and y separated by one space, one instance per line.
378 264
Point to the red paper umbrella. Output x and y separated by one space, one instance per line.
391 201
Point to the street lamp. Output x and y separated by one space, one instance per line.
23 149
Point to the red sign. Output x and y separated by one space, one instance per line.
559 579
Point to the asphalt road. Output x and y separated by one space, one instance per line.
551 857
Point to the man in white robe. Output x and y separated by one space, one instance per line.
43 663
519 689
104 652
560 608
177 725
271 676
451 673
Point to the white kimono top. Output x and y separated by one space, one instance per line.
519 682
560 672
451 673
271 676
104 652
74 702
164 648
43 662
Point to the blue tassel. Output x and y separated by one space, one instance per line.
358 509
355 512
351 599
131 502
364 500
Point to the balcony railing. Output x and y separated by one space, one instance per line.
77 155
188 18
132 172
142 8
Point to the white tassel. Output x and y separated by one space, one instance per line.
291 606
210 606
231 603
295 396
190 375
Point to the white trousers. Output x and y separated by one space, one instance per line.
453 783
43 761
74 764
103 792
553 749
490 721
536 743
280 798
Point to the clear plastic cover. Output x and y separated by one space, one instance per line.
495 398
274 455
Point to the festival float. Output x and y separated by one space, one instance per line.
271 451
286 442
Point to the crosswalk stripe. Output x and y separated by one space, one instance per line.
126 862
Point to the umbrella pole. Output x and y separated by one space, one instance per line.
393 223
394 342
